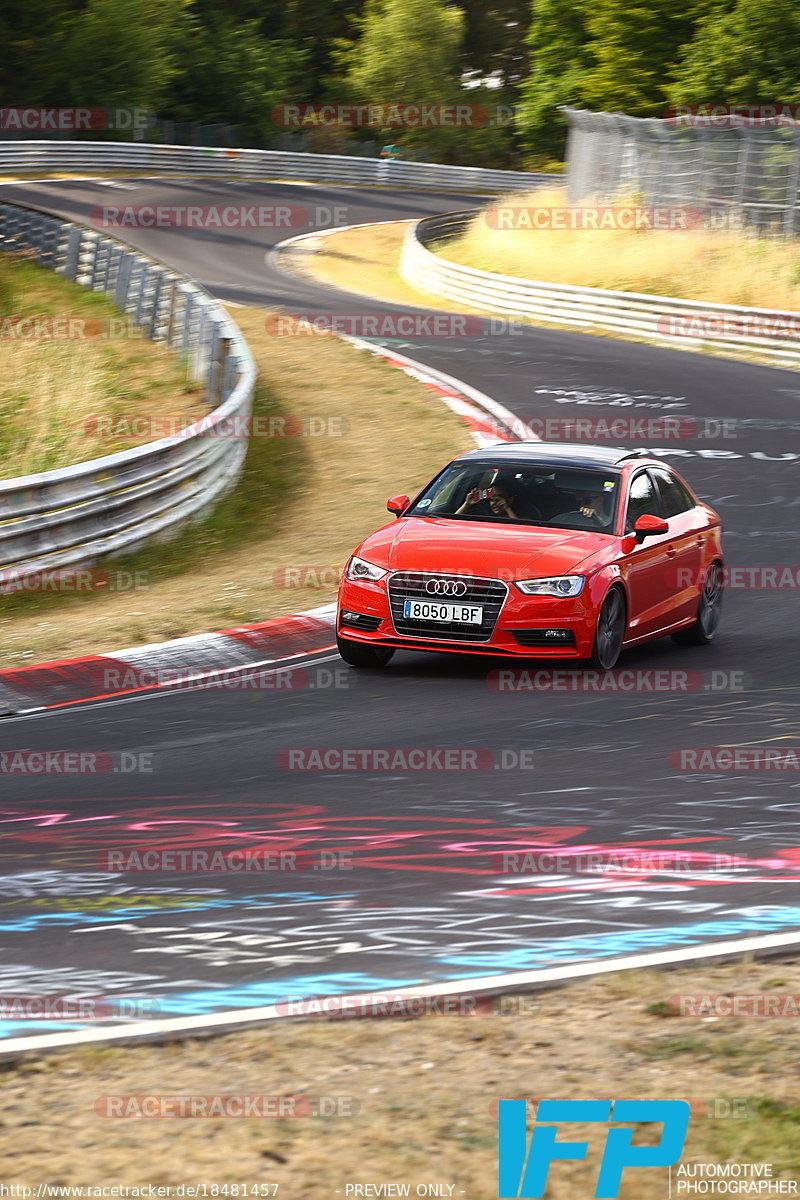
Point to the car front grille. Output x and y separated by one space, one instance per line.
412 585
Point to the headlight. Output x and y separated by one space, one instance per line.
558 585
359 568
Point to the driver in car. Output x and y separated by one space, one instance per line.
594 507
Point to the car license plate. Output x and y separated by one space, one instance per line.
432 610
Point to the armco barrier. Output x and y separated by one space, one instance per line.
656 318
99 157
109 505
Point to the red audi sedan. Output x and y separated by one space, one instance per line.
536 550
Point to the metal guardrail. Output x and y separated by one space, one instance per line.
684 324
113 504
49 156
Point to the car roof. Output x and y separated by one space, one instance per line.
557 454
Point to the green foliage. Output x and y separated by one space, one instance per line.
231 74
118 53
407 53
747 53
494 38
560 59
636 46
233 61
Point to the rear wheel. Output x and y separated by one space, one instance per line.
610 632
357 654
709 611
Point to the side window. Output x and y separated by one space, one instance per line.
642 499
674 496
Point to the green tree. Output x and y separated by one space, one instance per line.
232 75
636 46
118 53
749 54
407 53
494 38
31 43
558 42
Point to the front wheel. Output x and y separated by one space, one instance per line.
610 632
357 654
709 611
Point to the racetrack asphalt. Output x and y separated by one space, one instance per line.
414 894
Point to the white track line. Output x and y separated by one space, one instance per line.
515 981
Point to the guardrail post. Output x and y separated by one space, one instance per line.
73 253
124 269
212 374
144 272
152 327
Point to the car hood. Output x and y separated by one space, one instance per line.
480 548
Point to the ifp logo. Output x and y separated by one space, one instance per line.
523 1169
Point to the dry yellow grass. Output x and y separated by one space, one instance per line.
718 267
68 357
426 1091
305 502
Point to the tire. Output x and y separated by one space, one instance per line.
709 611
610 631
363 657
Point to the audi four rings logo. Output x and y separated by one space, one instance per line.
446 587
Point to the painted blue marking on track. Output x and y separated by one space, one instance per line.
127 912
264 992
605 945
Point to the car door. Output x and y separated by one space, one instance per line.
687 534
644 567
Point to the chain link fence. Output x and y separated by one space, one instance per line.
741 175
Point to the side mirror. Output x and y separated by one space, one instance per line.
647 525
398 505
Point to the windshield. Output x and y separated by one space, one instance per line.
557 497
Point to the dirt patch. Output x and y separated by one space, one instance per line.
415 1099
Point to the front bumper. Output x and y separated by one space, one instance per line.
527 626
